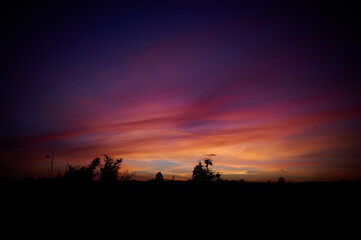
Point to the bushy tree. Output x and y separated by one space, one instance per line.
281 180
199 172
110 170
159 177
204 173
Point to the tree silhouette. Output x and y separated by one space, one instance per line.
204 173
281 180
159 177
110 170
199 173
217 177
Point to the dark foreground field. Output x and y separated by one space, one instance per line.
47 199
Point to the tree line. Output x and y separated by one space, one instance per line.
108 171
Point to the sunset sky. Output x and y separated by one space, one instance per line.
271 88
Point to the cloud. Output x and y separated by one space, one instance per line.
210 155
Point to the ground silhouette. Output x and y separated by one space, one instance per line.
191 199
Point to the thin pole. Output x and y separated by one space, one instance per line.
51 166
47 165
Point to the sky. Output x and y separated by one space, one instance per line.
267 88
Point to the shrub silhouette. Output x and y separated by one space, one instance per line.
84 174
204 173
110 170
126 175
